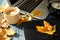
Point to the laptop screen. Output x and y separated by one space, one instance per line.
13 1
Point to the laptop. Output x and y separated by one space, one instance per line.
29 6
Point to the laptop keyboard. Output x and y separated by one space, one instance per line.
29 6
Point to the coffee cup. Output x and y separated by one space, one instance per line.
11 14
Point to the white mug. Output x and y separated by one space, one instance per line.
12 15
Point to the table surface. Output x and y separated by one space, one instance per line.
32 33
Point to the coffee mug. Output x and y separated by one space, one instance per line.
11 14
